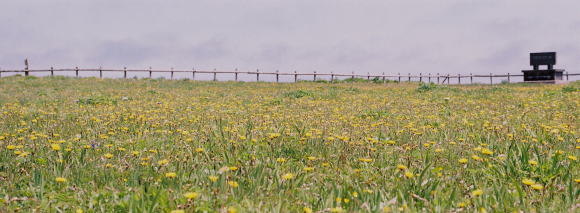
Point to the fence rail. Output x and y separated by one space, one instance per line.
435 78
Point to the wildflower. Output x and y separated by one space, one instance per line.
163 162
572 158
365 160
280 160
108 165
233 184
476 192
170 175
308 169
307 210
533 162
311 158
60 179
476 158
577 180
401 167
409 174
528 182
135 153
191 195
10 147
486 151
387 209
287 176
233 168
108 155
213 178
537 186
368 191
55 147
336 209
178 211
199 150
232 210
463 160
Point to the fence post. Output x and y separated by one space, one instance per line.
399 76
429 77
384 81
314 75
491 78
150 72
277 76
257 75
508 75
352 77
77 71
421 77
193 74
171 73
368 76
51 71
471 77
567 75
459 78
448 79
214 74
409 77
124 72
236 75
437 78
100 72
331 76
26 72
295 77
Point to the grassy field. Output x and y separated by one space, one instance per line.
92 145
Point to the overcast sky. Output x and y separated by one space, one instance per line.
445 36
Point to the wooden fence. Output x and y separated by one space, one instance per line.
435 78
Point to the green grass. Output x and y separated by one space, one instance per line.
266 147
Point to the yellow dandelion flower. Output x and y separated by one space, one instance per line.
477 192
178 211
537 186
533 162
572 158
191 195
308 169
307 210
108 155
55 147
287 176
213 178
163 162
366 160
170 175
232 210
486 151
336 209
199 150
401 167
233 184
409 174
528 182
60 179
463 160
280 160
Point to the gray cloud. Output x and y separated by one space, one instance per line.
339 35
